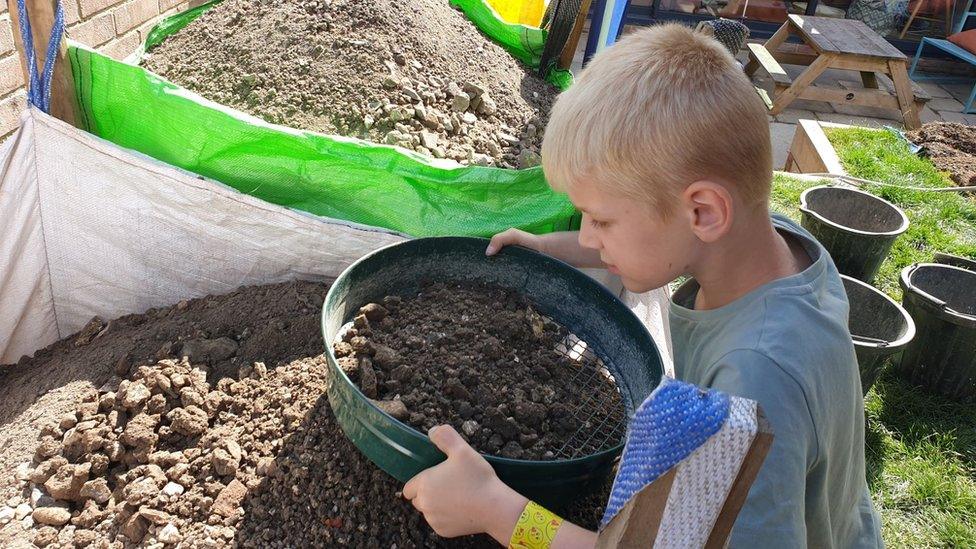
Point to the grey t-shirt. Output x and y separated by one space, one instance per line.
786 345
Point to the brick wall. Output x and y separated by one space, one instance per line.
113 27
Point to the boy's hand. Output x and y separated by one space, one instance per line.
514 237
462 495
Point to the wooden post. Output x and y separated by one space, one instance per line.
41 13
569 50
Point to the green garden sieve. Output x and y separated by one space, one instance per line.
601 328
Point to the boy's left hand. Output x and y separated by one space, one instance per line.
462 495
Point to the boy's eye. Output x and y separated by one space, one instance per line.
597 224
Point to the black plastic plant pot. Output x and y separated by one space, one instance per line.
588 310
856 228
942 300
955 261
880 328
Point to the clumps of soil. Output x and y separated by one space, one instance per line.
413 73
166 429
483 360
951 147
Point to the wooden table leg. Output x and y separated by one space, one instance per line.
869 79
904 93
782 100
771 45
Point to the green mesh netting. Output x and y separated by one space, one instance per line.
332 176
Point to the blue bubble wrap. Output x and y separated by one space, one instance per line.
668 426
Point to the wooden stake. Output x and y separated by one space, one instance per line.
41 13
569 50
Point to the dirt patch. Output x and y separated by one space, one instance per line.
110 439
951 147
414 73
482 359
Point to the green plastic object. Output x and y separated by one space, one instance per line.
942 357
557 290
331 176
856 227
880 329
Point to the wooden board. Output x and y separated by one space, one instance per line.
843 36
811 151
769 64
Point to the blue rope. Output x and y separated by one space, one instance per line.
39 85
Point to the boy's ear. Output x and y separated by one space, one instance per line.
709 206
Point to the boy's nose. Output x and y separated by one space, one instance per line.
586 237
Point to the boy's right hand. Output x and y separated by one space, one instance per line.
514 237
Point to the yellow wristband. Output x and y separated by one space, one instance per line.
535 529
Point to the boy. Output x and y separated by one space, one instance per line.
664 146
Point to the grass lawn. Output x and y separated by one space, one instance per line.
921 448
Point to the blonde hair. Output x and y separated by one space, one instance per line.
661 109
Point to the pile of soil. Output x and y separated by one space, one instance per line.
482 359
204 424
951 147
414 73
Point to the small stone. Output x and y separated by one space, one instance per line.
169 534
54 516
223 463
507 138
438 152
22 511
478 159
155 516
23 471
229 499
135 528
461 102
470 427
84 538
234 449
123 364
374 312
368 121
469 118
475 104
173 489
528 159
266 467
68 421
473 89
7 514
395 408
89 331
488 106
411 95
39 498
66 484
189 421
250 80
209 350
27 523
390 83
45 536
96 490
428 139
135 395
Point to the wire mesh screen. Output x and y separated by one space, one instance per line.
597 409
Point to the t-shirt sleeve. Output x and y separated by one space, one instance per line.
773 515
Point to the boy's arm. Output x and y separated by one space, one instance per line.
562 245
775 507
463 496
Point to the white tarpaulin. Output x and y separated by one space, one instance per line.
88 228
